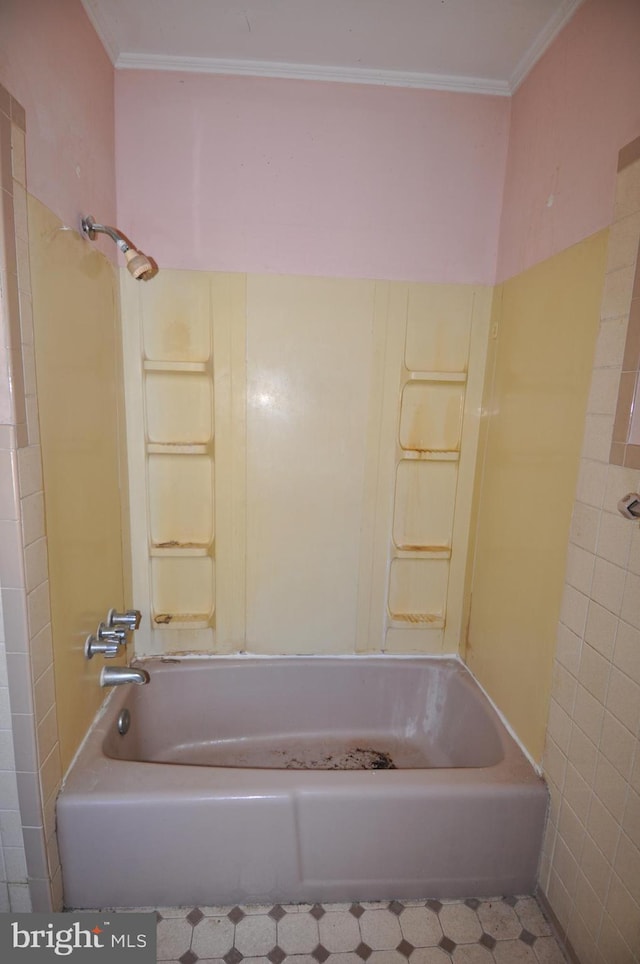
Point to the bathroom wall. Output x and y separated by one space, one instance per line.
77 353
297 180
547 322
591 865
13 872
307 178
569 118
29 752
315 179
302 454
54 64
281 177
51 61
568 122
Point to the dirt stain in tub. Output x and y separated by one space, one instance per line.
358 758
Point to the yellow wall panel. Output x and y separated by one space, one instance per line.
77 345
309 364
535 410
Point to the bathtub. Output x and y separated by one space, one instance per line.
256 780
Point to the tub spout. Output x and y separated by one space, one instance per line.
117 675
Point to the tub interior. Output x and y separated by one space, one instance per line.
310 715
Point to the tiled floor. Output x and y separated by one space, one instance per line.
502 931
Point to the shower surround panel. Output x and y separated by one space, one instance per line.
302 454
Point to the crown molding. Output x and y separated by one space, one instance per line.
544 40
342 75
91 9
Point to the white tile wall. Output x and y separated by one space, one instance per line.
12 854
29 762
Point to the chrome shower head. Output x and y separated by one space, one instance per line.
138 265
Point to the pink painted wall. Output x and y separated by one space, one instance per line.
235 173
579 105
53 63
300 177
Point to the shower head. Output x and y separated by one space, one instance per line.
138 265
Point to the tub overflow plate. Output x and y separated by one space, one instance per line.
124 721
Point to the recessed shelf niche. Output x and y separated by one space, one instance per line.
424 504
179 408
180 501
431 416
182 591
434 380
418 591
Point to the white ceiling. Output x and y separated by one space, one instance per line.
486 46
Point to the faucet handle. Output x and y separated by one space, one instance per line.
108 647
130 620
117 635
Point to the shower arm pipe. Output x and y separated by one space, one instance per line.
139 265
90 228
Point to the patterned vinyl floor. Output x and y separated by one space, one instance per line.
509 930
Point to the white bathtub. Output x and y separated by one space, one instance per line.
204 800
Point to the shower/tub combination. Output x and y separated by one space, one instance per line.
253 780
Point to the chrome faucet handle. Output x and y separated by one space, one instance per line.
130 620
107 647
117 635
